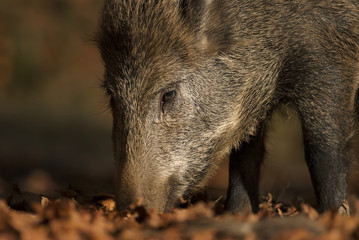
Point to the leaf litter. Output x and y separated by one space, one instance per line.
76 215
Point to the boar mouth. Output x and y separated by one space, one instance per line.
192 182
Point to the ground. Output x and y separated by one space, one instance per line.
76 215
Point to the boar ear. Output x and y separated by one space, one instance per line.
211 20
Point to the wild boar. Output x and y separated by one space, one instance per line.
191 81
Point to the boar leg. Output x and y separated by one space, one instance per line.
244 168
326 141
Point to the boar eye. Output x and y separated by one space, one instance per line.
167 98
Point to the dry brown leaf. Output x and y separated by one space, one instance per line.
45 201
310 212
108 204
295 235
207 234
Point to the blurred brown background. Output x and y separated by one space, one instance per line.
54 126
53 118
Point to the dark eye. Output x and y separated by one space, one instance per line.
167 98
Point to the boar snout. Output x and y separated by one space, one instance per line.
153 192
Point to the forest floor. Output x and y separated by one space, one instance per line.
77 215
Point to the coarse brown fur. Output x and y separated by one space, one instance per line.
191 81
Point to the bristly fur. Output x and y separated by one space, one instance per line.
228 63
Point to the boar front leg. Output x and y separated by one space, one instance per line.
327 127
244 169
